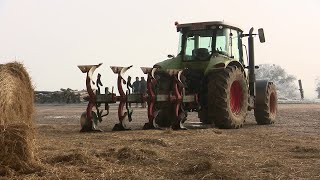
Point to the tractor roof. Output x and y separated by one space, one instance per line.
205 25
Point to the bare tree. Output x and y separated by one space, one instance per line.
286 87
318 86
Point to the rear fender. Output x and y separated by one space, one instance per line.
221 62
239 65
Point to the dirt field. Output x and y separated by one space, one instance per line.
289 149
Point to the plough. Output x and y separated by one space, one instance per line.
173 96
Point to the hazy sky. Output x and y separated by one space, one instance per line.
52 37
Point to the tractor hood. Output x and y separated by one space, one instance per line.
173 63
216 61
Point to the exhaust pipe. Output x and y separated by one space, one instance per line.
252 76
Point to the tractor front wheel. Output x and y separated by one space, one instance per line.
266 103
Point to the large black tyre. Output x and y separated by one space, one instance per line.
227 97
266 106
203 116
165 117
203 112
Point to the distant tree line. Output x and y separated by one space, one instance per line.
64 96
286 84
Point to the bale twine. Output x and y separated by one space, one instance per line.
17 133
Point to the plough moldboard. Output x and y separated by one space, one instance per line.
173 96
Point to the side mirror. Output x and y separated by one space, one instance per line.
171 56
261 35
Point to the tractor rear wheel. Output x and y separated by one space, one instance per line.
227 97
165 117
203 112
203 116
266 106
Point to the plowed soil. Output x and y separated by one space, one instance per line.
288 149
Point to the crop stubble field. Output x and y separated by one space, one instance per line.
289 149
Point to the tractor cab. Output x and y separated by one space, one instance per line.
201 41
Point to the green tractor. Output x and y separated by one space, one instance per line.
214 73
209 75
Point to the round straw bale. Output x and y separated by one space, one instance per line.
16 95
16 117
17 147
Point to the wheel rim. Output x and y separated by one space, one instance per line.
236 97
272 103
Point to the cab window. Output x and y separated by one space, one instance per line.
222 41
235 44
198 45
